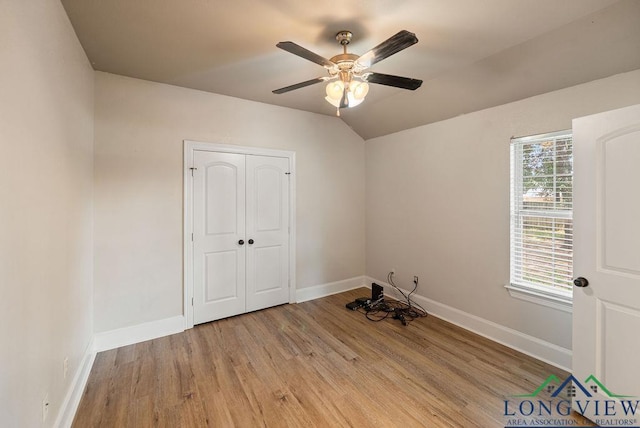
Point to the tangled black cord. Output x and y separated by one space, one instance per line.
404 311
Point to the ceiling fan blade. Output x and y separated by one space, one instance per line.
390 80
392 45
299 85
305 53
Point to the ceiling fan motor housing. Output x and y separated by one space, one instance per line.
345 61
344 37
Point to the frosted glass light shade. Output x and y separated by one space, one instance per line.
335 90
359 89
353 101
335 103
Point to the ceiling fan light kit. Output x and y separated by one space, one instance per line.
356 91
347 76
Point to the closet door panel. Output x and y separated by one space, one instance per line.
219 261
268 229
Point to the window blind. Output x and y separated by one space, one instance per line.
542 211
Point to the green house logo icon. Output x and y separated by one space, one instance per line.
554 386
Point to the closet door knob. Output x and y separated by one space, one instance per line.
250 241
241 242
580 282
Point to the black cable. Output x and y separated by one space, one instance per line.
371 312
404 311
410 304
390 281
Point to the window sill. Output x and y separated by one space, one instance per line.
558 300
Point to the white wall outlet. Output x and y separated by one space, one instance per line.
45 408
65 367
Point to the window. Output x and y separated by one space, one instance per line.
542 219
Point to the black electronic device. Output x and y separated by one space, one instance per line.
397 314
377 292
354 305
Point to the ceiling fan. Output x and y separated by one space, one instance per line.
348 76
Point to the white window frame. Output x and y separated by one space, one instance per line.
552 297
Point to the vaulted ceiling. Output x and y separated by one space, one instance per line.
471 54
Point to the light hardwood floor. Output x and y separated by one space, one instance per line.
314 364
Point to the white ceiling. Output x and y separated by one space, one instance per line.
472 54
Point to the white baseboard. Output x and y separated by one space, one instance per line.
138 333
323 290
76 389
532 346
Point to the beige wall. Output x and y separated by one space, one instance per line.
438 203
139 133
46 144
436 200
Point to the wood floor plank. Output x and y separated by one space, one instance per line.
314 364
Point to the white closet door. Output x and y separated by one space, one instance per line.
267 231
218 227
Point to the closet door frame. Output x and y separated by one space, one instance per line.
189 148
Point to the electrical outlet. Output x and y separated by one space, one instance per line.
415 279
45 408
65 367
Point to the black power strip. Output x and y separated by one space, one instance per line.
354 305
360 302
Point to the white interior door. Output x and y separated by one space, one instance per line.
218 229
267 231
241 229
606 313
